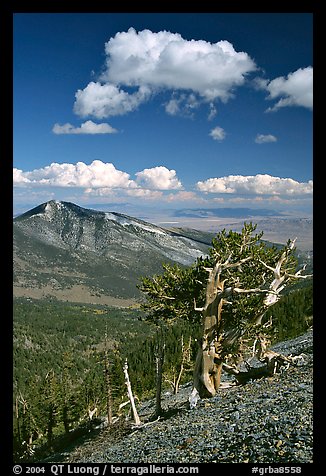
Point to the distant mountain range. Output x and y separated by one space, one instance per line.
64 251
226 212
73 253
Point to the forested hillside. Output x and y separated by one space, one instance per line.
61 352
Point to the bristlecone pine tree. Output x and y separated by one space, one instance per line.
230 291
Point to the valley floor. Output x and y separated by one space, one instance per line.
75 294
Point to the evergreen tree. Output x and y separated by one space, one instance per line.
245 277
49 399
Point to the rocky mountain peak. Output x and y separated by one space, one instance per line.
110 250
50 209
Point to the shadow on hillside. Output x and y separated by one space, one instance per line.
88 433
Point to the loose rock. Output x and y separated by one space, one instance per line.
265 421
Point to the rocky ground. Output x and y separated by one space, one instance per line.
266 421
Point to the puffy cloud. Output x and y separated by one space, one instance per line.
145 194
103 179
97 174
104 100
88 127
261 184
218 133
295 90
158 178
100 175
165 59
173 107
138 193
263 138
19 177
151 62
183 105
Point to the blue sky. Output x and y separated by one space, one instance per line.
164 110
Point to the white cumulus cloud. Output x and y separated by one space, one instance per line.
218 133
88 127
263 138
183 105
149 62
296 89
158 178
19 177
104 100
145 194
260 184
97 174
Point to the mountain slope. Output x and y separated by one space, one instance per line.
265 421
78 254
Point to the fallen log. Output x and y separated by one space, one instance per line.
272 363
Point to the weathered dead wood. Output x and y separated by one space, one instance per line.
208 365
143 425
244 377
272 361
91 413
280 280
130 394
185 358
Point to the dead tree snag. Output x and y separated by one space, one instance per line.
130 394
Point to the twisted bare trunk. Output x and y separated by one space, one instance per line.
208 366
130 394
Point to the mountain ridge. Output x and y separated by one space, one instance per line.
70 253
229 212
58 245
